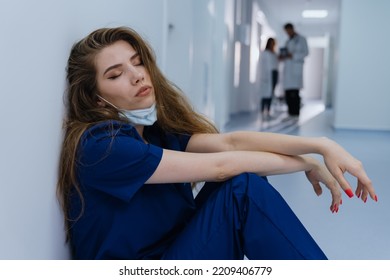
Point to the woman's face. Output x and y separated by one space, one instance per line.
122 78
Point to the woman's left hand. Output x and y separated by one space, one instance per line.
338 161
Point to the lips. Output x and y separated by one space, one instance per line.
143 91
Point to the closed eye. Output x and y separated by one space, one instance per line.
137 61
113 77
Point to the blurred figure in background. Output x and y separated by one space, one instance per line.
268 77
293 56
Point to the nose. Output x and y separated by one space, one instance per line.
136 76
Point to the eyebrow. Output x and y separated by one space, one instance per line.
120 64
111 67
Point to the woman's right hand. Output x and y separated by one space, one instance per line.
320 174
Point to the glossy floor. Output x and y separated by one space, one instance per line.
359 230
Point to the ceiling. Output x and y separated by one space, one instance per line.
283 11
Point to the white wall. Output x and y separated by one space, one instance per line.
362 93
36 40
251 31
198 53
315 71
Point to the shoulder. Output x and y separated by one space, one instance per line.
266 54
108 129
114 143
301 37
169 140
105 132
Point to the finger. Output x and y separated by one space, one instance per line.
365 193
367 186
364 182
339 176
359 190
364 196
357 170
336 197
334 207
317 188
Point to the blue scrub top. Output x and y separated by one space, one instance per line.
123 218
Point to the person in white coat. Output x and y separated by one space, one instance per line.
268 76
295 52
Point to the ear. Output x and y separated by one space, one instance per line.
101 103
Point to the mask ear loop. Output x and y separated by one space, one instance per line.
108 102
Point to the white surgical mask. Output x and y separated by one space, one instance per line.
147 116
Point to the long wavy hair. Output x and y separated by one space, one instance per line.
174 112
270 44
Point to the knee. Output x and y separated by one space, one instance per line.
248 177
252 186
244 186
245 182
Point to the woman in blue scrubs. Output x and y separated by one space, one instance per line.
133 146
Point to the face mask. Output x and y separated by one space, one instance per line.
147 116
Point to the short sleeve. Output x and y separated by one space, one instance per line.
116 161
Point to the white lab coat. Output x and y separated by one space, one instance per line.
268 62
293 67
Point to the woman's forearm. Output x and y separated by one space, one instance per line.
276 143
265 163
258 141
191 167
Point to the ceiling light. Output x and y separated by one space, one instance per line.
315 13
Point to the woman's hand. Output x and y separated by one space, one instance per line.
338 161
320 174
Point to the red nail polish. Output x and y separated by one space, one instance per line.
341 201
358 195
365 200
349 192
376 198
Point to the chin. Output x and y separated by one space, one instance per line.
151 100
147 103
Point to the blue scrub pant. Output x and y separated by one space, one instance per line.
243 216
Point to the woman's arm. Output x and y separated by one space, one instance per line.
176 167
193 167
255 141
337 159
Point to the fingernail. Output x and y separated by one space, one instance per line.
376 198
358 195
341 201
365 200
349 192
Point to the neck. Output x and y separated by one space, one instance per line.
140 129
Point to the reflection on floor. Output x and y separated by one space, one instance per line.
359 230
279 120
